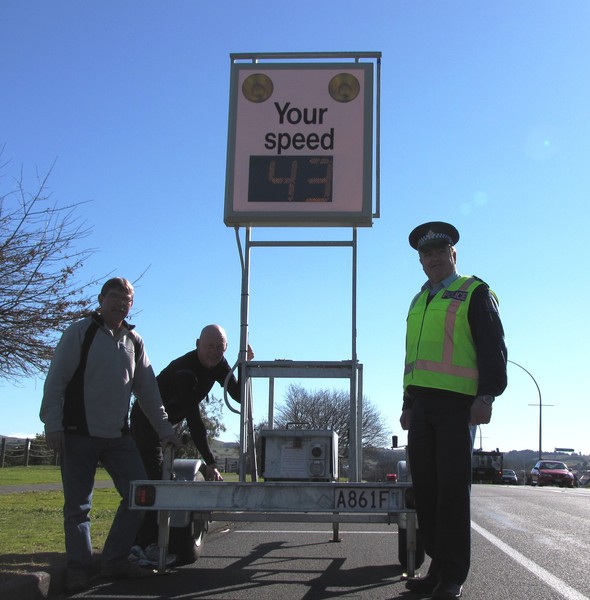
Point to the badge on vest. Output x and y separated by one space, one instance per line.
459 295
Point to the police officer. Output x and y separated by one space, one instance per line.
455 366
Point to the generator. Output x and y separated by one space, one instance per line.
299 455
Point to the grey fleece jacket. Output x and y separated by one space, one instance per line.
98 401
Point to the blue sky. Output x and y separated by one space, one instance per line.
485 123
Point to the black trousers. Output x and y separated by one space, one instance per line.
150 448
439 447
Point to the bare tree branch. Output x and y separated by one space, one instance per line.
330 409
39 293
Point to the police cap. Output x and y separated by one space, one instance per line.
435 232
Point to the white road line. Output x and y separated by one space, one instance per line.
557 584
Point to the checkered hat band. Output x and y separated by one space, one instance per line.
434 237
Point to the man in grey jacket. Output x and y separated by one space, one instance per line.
99 362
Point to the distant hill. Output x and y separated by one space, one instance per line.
225 452
224 445
525 459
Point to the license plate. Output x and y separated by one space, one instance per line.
367 499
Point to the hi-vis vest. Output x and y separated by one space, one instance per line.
440 352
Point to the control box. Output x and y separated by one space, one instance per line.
299 455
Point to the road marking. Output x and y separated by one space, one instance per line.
557 584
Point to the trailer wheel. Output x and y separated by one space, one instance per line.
187 542
402 549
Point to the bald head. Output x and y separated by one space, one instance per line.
211 345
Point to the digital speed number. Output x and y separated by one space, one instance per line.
290 179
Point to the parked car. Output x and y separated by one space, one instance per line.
509 476
552 472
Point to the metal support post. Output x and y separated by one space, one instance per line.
246 408
354 428
411 543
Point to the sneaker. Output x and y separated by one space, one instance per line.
138 555
125 570
76 580
152 554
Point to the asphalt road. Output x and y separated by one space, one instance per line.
527 543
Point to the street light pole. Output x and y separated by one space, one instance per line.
480 438
540 407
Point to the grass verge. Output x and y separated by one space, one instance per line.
31 523
38 474
31 529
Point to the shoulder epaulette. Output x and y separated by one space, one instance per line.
481 280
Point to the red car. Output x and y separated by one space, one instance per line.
552 472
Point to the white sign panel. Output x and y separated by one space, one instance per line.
300 145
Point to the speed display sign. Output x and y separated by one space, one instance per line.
300 144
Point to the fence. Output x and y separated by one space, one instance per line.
25 452
231 465
16 452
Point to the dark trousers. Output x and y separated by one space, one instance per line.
80 455
150 448
439 447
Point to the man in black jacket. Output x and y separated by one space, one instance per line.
183 385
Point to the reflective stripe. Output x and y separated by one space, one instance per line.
446 368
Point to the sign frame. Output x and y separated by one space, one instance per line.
298 154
